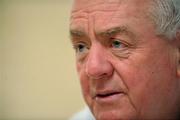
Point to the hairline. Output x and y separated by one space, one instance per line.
160 11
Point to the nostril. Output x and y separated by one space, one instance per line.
99 73
95 77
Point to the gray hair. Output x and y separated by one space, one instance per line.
166 16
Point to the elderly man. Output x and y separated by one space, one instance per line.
128 57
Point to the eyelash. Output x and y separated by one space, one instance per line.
116 44
123 47
79 46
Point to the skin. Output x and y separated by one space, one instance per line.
126 70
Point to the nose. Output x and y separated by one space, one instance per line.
98 65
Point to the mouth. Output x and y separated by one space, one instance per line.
108 96
104 95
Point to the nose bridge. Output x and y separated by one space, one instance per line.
98 65
95 57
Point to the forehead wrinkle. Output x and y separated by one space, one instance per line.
79 15
92 6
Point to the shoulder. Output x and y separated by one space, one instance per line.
84 114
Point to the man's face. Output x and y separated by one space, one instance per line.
126 71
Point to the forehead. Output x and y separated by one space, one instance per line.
87 4
90 4
105 13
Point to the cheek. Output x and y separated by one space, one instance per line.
138 83
149 83
85 87
78 67
83 79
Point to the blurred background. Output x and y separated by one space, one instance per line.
38 79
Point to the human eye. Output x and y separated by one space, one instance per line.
118 44
120 48
81 47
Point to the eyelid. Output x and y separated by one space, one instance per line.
81 52
80 39
77 42
77 45
125 43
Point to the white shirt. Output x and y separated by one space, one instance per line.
85 114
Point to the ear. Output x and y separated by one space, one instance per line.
178 64
178 52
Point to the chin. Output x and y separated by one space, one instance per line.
114 115
107 116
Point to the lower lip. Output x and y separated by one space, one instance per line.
109 99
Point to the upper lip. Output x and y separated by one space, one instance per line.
105 93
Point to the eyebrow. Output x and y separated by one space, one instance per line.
77 33
116 30
106 33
